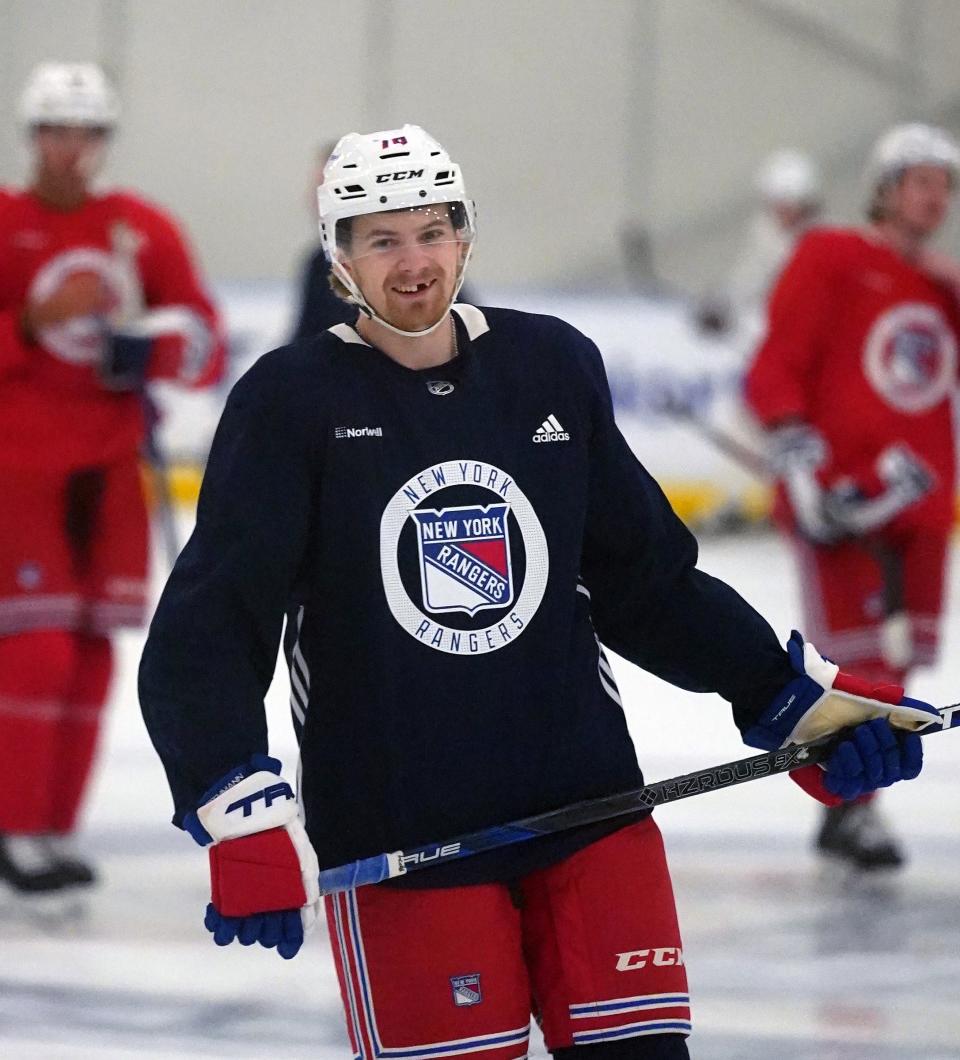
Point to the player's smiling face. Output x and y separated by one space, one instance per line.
406 263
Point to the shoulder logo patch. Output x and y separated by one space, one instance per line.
550 431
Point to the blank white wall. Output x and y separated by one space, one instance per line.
569 118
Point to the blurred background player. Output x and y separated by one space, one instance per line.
320 307
97 293
790 200
854 382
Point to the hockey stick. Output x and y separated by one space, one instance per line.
747 458
382 867
160 473
131 317
896 636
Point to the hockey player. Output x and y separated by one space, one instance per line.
788 193
441 503
790 199
854 382
97 291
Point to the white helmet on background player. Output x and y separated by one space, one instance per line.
397 169
914 144
788 177
69 94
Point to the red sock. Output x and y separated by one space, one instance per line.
79 729
36 669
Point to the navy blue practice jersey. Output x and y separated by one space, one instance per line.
450 546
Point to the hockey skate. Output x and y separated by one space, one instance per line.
27 868
76 872
856 834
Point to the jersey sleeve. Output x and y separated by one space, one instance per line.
212 645
15 352
193 352
649 601
800 304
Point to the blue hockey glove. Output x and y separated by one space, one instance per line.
822 700
282 931
263 870
875 756
126 359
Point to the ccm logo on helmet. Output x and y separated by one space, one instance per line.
664 956
403 174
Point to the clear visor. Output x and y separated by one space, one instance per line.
395 234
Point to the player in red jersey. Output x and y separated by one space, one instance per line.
854 382
97 294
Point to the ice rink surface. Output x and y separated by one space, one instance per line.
785 958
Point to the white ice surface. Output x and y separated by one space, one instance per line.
784 959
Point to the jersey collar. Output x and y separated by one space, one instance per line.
473 320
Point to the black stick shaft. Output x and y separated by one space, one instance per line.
386 866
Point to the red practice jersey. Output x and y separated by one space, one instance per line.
862 345
55 414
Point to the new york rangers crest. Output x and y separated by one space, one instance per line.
482 553
466 989
465 557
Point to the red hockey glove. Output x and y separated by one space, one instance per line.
263 870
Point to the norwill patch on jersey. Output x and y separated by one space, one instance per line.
358 432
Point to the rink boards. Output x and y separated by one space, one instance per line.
652 353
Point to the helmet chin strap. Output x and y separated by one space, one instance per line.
358 297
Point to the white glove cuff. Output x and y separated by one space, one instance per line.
309 870
258 802
820 669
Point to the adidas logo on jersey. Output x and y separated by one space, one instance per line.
551 431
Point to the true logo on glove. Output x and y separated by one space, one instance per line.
947 714
269 795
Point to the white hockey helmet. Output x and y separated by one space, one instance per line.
69 94
396 169
914 144
788 176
